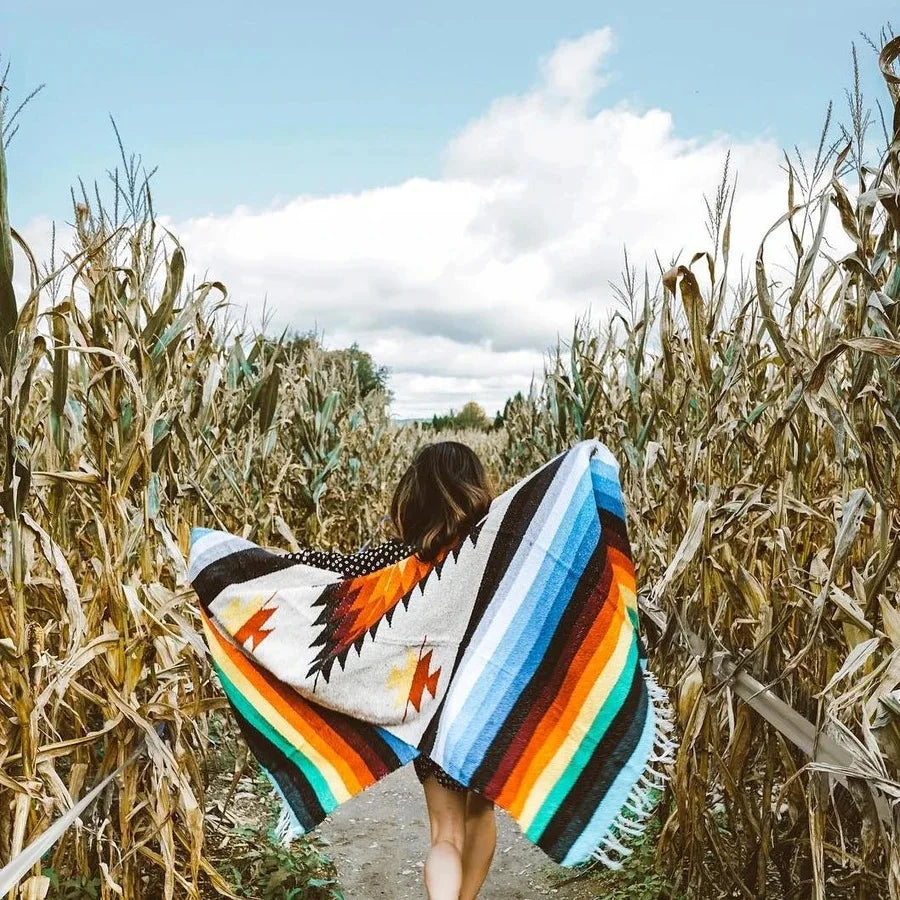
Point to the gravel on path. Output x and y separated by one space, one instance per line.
379 838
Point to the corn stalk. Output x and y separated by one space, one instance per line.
760 440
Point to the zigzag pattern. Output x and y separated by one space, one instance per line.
354 608
253 629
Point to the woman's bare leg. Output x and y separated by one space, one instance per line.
478 849
443 865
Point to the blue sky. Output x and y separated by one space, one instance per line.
252 102
252 106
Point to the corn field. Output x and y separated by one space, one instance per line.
758 422
131 412
760 435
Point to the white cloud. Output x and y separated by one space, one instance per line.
38 235
460 283
572 72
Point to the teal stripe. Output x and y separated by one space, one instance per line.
616 796
588 745
306 766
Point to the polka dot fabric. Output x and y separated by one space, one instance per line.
426 767
361 562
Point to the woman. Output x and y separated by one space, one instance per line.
440 497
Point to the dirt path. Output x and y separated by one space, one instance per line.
379 838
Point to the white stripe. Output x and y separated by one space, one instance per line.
211 548
507 599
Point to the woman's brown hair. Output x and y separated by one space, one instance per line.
443 494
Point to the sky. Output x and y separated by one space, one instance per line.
449 186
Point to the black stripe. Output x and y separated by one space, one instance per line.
244 565
551 671
615 532
607 761
515 522
365 739
293 783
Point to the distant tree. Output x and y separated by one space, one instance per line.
472 415
369 375
512 404
443 423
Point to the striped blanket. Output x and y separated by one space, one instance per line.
513 661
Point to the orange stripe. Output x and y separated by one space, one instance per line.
589 646
301 714
623 568
587 665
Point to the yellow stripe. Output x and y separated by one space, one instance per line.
582 724
628 595
327 770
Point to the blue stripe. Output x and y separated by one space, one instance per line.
471 733
464 734
197 533
607 490
556 606
405 753
538 520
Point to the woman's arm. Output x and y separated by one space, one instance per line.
350 565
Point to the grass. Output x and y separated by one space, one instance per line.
259 867
640 877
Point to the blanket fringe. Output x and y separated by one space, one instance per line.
632 820
288 827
